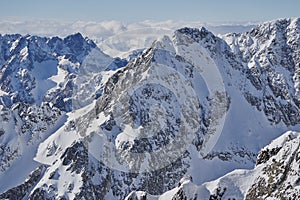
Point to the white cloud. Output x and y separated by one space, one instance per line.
102 29
114 37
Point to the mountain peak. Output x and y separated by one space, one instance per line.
77 43
74 37
195 33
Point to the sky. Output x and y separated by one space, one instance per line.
214 11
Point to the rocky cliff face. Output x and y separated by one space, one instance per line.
191 104
271 54
275 176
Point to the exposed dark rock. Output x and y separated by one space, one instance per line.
22 191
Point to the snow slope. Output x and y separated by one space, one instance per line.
275 176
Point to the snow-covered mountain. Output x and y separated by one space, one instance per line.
41 80
275 176
78 124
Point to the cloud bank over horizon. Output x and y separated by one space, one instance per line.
104 29
113 37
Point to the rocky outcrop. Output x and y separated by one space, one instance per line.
278 165
22 191
276 176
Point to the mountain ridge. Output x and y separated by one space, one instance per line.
164 104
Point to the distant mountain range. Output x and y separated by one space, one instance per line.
113 37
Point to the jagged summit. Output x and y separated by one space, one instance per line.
195 33
76 43
29 62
